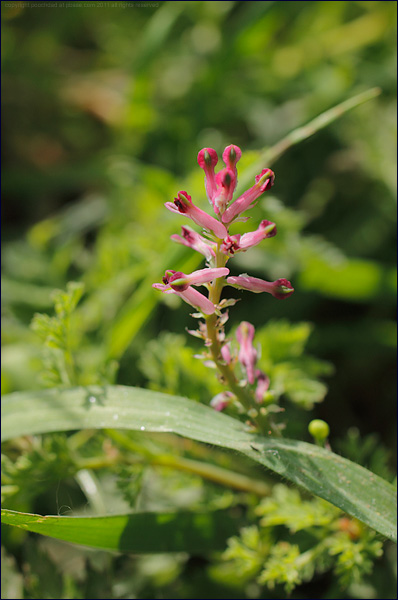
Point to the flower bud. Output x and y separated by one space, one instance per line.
222 400
207 160
319 430
281 288
247 353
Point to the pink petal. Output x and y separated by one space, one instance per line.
231 156
263 182
207 160
262 385
265 230
194 240
184 206
206 275
247 353
281 288
198 300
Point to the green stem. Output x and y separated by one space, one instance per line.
69 371
226 370
269 155
214 473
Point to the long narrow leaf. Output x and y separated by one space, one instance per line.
139 533
352 488
268 156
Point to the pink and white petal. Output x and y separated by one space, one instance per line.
198 300
206 275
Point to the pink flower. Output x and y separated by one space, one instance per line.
194 240
207 160
226 183
263 182
191 296
222 400
236 243
266 229
183 204
262 386
281 288
231 244
176 279
247 354
220 187
231 156
179 283
226 353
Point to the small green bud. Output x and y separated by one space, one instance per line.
269 397
319 430
253 413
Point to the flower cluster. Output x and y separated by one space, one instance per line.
218 246
216 238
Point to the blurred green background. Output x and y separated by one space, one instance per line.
105 108
104 111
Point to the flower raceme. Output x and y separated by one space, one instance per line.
218 246
215 242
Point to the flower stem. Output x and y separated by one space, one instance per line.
226 370
211 472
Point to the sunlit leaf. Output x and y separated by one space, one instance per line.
348 486
138 533
353 279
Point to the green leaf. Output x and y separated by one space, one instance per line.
139 532
269 155
350 279
138 309
348 486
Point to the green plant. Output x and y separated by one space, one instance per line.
293 538
105 108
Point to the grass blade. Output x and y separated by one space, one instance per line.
139 533
268 156
345 484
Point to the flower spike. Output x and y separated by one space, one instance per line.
246 394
